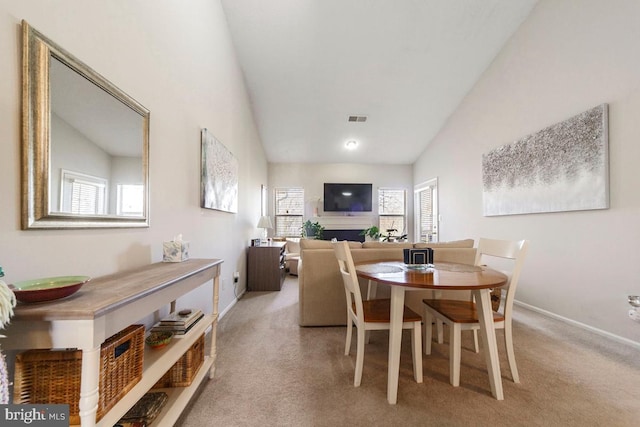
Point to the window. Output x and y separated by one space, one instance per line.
130 199
264 196
426 203
392 211
289 209
83 194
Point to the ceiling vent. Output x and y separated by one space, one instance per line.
359 119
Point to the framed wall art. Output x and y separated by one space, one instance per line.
564 167
219 175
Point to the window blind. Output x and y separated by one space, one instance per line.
289 211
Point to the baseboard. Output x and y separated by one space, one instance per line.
600 332
226 310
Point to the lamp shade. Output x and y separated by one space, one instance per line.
265 222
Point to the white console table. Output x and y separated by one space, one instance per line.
105 306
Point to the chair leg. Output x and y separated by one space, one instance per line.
416 346
454 354
476 348
428 330
372 289
439 324
508 343
347 344
359 356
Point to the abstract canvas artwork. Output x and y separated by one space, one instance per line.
564 167
219 175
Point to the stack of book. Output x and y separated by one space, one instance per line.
179 323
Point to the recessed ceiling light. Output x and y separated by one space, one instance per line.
351 144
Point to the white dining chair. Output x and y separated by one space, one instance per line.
372 315
462 315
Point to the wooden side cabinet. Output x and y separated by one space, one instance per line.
265 265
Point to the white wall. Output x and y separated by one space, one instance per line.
312 176
567 57
177 60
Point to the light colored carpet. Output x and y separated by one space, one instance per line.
271 372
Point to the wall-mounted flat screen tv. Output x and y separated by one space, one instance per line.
348 197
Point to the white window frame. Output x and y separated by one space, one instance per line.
67 181
124 209
264 197
278 216
381 213
419 188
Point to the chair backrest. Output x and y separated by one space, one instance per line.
509 250
349 278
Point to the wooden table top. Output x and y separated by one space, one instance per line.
443 276
106 293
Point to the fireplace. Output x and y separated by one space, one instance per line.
352 235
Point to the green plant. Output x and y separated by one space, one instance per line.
373 232
312 230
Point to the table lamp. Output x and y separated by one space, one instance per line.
265 223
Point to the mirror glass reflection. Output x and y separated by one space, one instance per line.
96 149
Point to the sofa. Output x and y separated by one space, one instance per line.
292 255
322 300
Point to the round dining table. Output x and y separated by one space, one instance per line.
441 276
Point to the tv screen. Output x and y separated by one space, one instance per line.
347 197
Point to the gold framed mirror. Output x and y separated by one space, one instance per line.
85 144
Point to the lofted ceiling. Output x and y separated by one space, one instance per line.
95 113
405 65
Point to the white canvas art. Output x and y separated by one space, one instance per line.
219 175
564 167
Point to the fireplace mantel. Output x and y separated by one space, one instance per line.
344 222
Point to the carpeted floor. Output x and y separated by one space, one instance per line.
271 372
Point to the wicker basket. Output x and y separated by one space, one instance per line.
181 374
53 376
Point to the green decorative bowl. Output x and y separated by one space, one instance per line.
159 339
47 289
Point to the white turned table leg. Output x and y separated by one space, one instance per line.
395 341
488 333
372 290
213 354
89 382
214 328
